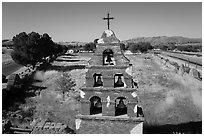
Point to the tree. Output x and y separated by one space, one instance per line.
164 47
144 46
47 45
133 47
140 46
190 48
123 46
20 53
171 46
65 84
90 46
31 48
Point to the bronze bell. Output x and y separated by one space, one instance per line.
121 104
99 82
119 83
98 104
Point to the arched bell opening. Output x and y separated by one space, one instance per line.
120 106
119 80
108 58
98 81
95 105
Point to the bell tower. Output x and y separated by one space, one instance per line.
109 101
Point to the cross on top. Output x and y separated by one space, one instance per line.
108 18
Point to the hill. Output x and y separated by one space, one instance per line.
164 40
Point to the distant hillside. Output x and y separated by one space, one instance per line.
164 40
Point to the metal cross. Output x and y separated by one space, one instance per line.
108 18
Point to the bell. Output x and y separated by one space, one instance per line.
109 59
121 104
99 82
98 104
119 83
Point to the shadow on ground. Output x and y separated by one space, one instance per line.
186 128
15 97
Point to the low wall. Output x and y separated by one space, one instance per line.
182 69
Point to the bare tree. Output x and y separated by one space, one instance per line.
65 84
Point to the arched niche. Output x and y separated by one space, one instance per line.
120 106
119 80
108 58
98 80
95 105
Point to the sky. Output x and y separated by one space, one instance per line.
66 21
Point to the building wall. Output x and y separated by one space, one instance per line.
105 126
108 110
117 55
107 122
107 77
